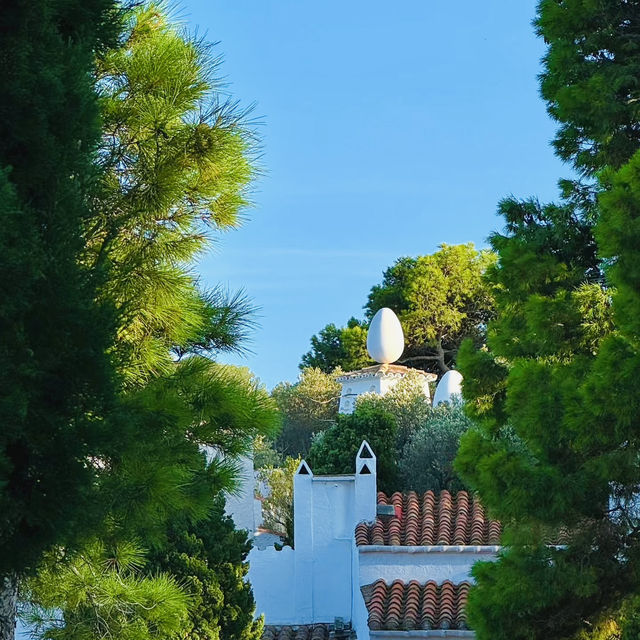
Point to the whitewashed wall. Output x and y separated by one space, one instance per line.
354 387
437 563
380 384
240 504
272 576
321 579
314 582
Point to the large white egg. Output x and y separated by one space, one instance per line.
385 340
450 386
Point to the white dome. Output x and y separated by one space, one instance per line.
385 340
450 385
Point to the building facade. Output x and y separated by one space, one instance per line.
379 565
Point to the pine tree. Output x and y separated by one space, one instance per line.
175 162
556 393
209 559
178 164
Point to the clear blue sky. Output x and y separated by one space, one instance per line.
388 128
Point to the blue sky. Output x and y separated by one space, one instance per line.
388 129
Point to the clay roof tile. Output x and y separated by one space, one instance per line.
431 519
296 632
408 606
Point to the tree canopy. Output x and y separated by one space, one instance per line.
426 460
334 450
308 406
440 299
56 377
556 392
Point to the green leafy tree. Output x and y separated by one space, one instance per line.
308 406
209 559
556 393
338 347
426 462
335 450
440 299
407 403
55 377
277 501
265 454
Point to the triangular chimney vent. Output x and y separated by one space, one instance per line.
366 452
303 469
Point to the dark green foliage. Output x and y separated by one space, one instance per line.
557 393
334 450
308 406
157 471
530 459
590 79
426 461
209 559
55 378
539 591
344 348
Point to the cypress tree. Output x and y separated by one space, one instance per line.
55 378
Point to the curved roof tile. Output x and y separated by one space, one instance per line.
411 606
430 519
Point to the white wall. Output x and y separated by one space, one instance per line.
315 581
379 384
420 563
240 505
272 576
354 387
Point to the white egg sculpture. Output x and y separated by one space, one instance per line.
450 385
385 340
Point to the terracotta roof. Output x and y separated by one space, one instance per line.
406 606
296 632
384 369
430 519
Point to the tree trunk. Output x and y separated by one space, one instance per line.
8 606
440 358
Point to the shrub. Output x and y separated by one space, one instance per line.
427 458
335 450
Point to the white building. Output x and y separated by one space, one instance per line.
365 564
384 565
379 378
